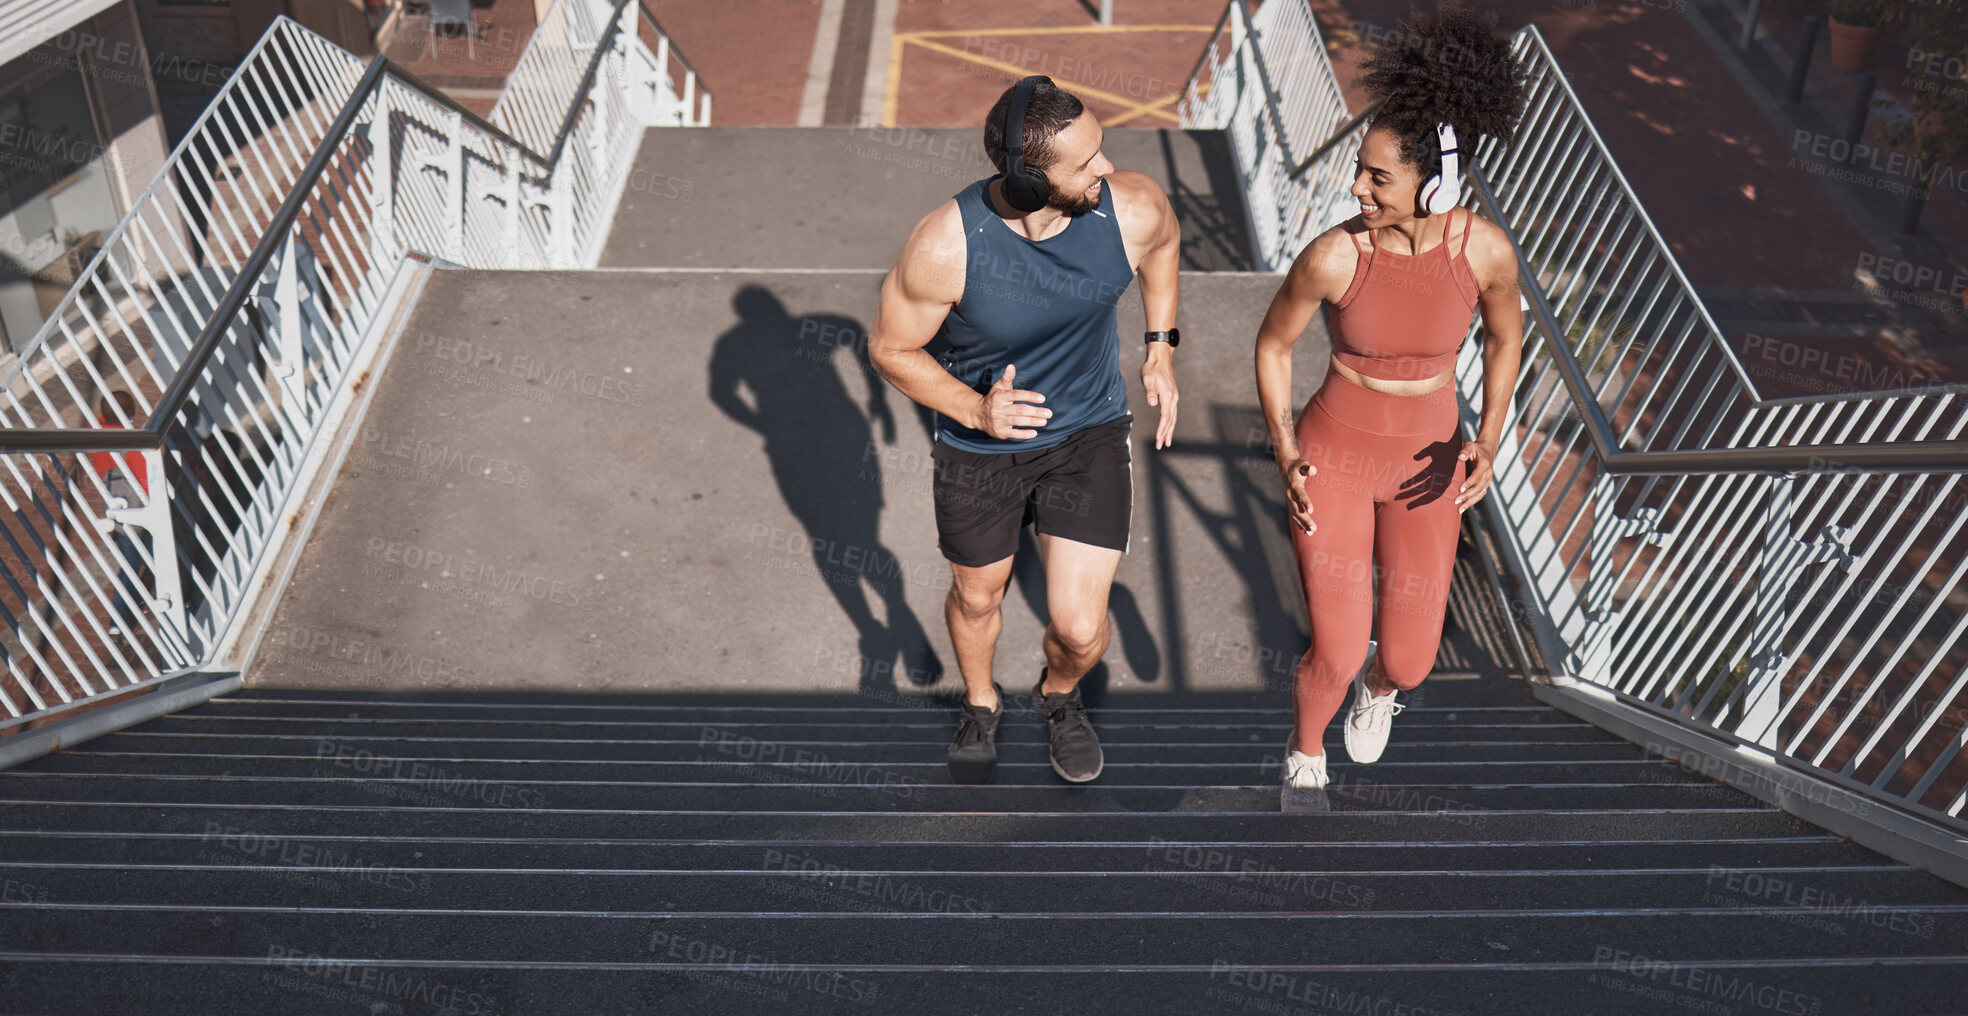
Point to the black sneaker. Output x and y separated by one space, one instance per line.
1075 751
974 753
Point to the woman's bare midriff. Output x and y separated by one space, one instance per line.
1393 387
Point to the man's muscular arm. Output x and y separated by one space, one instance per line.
1153 241
915 297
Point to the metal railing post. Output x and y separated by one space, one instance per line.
1780 560
1801 69
510 219
1749 24
1855 123
382 172
560 211
454 186
287 294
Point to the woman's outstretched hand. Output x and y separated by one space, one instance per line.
1297 503
1479 456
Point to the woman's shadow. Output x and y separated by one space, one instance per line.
828 465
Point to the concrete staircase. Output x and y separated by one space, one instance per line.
331 853
611 679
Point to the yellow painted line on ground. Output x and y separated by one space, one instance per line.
892 99
1123 101
893 96
1141 109
1063 30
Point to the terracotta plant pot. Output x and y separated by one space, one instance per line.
1852 45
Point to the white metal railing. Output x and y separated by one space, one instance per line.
1783 572
157 428
1264 79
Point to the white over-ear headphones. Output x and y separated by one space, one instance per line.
1443 191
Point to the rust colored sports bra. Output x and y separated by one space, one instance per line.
1404 316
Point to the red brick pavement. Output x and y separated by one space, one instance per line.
472 73
755 54
752 54
1899 71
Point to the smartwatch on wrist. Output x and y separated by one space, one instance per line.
1173 337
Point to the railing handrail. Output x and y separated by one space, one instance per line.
81 440
1264 81
587 78
1927 455
650 16
19 440
435 94
1339 135
1203 57
1647 223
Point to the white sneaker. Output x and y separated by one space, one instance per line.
1304 786
1371 717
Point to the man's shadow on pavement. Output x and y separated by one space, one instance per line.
828 466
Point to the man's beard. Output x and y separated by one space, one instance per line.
1071 205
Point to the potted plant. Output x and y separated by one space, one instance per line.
1854 28
1933 131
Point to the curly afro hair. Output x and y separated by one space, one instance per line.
1454 67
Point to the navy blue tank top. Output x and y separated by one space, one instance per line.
1048 307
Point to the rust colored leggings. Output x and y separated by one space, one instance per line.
1384 491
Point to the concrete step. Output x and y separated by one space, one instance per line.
1549 726
354 880
1456 690
506 712
298 978
1725 858
817 822
1593 745
844 786
858 192
1058 936
1031 768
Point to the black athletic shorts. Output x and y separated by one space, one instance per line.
1080 489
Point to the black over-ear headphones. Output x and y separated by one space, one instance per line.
1025 187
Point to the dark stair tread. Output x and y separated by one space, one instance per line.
850 788
1366 855
150 745
244 872
1321 935
925 766
832 824
301 979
